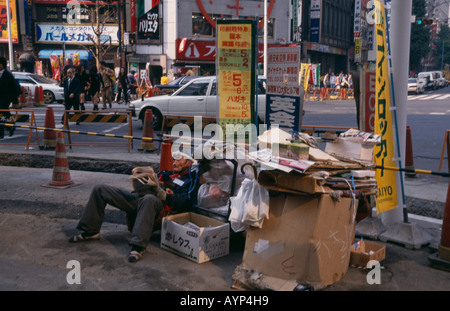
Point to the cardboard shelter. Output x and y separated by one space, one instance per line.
308 236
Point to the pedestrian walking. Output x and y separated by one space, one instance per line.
8 94
84 79
72 89
106 84
123 86
94 86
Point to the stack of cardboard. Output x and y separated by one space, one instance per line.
309 233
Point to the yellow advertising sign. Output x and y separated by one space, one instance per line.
383 152
236 72
4 22
304 75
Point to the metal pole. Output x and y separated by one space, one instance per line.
442 59
11 57
265 38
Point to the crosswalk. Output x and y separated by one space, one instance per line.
429 97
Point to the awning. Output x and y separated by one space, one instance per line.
27 58
83 53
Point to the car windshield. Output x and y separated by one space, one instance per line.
43 80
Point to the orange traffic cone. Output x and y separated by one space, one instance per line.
41 96
409 160
148 145
49 141
61 174
22 98
29 98
36 96
166 163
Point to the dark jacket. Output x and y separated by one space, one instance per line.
185 192
74 88
7 89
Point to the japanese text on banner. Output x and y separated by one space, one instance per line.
384 152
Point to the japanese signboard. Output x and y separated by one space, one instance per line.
74 34
148 19
236 71
283 89
384 152
4 22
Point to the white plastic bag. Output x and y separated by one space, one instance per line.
250 206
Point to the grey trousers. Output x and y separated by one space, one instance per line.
145 208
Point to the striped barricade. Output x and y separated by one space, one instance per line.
93 116
19 116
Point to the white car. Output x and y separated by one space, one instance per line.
51 89
416 85
196 98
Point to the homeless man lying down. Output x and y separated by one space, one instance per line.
152 198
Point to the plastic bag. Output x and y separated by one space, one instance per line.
211 196
250 206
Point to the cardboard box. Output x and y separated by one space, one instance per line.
195 237
364 251
306 239
350 150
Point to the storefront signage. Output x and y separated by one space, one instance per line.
236 71
74 34
283 90
4 22
148 19
315 20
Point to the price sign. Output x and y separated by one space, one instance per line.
236 71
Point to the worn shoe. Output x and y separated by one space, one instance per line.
83 237
135 254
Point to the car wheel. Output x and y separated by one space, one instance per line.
157 118
49 97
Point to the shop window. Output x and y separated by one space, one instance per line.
200 25
270 27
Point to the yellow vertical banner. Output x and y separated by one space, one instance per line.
384 152
304 75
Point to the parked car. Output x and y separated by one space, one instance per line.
51 89
442 79
196 98
431 78
416 85
174 85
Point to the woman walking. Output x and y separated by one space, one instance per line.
94 86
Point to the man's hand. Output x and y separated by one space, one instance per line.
71 95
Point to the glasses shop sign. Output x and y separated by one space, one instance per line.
75 34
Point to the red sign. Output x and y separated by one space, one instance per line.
369 101
206 50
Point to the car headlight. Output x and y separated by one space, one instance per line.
131 105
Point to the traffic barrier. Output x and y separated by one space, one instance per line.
49 141
61 173
18 115
446 143
148 146
93 116
166 163
409 160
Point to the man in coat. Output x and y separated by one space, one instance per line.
7 93
72 88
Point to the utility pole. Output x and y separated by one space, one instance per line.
11 57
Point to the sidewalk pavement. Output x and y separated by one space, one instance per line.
37 221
